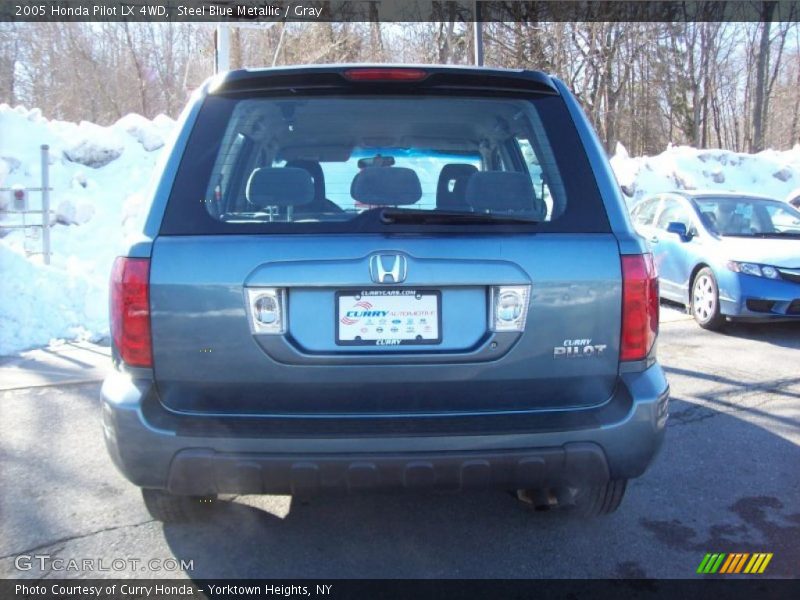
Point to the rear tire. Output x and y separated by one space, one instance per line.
171 508
597 500
705 301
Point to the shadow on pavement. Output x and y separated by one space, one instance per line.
737 490
779 333
786 334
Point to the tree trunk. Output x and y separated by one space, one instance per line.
796 110
236 56
762 68
140 71
376 40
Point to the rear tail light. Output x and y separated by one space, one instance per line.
639 306
385 74
130 311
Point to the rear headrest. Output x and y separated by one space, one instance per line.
503 191
458 174
280 187
391 186
315 170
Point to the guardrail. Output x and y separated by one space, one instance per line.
45 211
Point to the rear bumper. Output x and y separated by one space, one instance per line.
209 472
152 455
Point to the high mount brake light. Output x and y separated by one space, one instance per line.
130 311
371 74
639 306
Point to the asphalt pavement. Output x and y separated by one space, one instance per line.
727 480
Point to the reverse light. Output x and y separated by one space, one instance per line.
130 311
266 309
385 74
639 306
509 307
753 269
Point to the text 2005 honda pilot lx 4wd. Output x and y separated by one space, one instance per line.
384 277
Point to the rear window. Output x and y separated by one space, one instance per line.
747 217
331 164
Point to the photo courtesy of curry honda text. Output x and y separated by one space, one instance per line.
724 255
383 277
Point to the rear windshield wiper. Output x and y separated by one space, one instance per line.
391 215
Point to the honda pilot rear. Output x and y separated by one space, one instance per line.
372 277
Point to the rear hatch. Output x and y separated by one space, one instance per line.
381 242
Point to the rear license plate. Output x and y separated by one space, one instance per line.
388 317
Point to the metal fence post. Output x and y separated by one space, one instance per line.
46 203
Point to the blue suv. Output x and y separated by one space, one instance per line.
370 277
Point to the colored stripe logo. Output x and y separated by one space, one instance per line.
738 562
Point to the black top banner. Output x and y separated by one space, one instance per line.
263 11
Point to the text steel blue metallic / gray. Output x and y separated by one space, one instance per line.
362 277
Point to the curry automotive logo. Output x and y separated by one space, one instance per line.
362 308
741 562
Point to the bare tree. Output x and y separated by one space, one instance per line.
704 83
9 55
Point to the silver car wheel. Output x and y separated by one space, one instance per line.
704 299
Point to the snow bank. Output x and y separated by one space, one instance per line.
150 134
40 304
95 146
97 175
769 173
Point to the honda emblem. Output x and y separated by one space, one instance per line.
388 268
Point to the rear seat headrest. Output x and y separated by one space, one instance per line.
502 191
391 186
458 174
453 171
315 170
285 186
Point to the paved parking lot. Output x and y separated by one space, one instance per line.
727 480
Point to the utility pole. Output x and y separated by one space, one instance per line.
478 30
222 48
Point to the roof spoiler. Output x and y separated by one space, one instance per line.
341 77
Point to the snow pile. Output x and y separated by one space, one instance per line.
40 303
97 175
95 146
769 173
150 134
